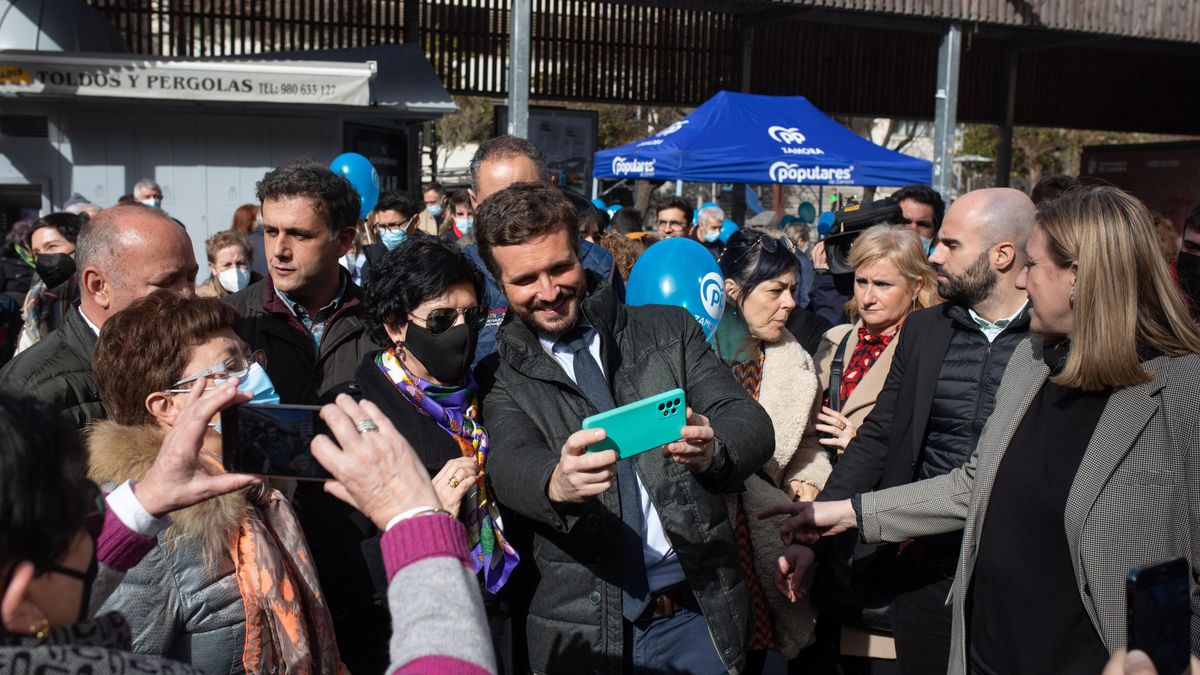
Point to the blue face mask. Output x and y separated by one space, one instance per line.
712 235
435 210
392 239
258 384
464 225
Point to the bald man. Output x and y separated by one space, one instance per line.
939 392
122 254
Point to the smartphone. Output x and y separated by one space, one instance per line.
642 425
1158 614
272 440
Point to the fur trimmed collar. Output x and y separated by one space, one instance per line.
119 453
788 392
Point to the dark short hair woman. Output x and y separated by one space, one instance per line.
230 585
1088 467
422 298
761 272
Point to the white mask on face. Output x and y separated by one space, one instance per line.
151 202
234 279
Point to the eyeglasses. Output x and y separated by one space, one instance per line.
232 367
395 226
440 320
674 225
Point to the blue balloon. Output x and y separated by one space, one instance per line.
825 223
358 170
599 203
807 212
613 208
680 272
727 230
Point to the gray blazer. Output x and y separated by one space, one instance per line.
1135 500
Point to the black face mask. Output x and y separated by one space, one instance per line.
446 356
1187 268
55 268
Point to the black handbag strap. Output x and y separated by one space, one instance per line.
835 373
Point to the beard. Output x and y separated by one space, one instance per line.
971 287
569 299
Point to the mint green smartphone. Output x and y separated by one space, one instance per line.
642 425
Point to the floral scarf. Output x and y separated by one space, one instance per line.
456 410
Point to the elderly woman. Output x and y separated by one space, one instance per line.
230 258
422 298
60 558
52 241
1089 466
230 586
892 279
760 281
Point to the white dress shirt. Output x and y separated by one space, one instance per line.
662 565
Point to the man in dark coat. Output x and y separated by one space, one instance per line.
939 392
637 559
122 254
305 314
306 317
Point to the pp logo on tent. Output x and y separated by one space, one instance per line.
672 129
712 295
624 166
786 135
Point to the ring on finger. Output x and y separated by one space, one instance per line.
366 425
454 481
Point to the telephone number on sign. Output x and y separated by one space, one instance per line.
296 89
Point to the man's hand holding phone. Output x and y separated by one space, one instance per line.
581 475
695 446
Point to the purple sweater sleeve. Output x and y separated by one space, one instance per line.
438 623
120 547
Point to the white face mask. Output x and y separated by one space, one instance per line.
234 279
151 202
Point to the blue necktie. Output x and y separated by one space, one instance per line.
635 592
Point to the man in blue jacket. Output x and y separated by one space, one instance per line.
498 163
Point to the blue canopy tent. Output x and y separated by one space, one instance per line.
748 138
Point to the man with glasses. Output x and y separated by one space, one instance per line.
305 314
122 254
395 218
674 218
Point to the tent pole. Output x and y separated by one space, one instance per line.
678 187
946 108
518 69
1004 142
595 188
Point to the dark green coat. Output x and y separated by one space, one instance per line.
58 370
530 408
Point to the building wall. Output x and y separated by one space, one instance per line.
206 162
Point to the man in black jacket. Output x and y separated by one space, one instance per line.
938 394
637 559
305 314
122 254
306 317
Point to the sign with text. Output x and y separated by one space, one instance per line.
305 82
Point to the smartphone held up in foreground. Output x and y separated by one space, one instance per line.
273 440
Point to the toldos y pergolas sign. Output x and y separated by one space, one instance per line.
307 82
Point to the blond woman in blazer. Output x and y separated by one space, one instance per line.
892 278
1103 301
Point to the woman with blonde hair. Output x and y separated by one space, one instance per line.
1088 467
892 278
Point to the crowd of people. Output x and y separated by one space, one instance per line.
940 450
